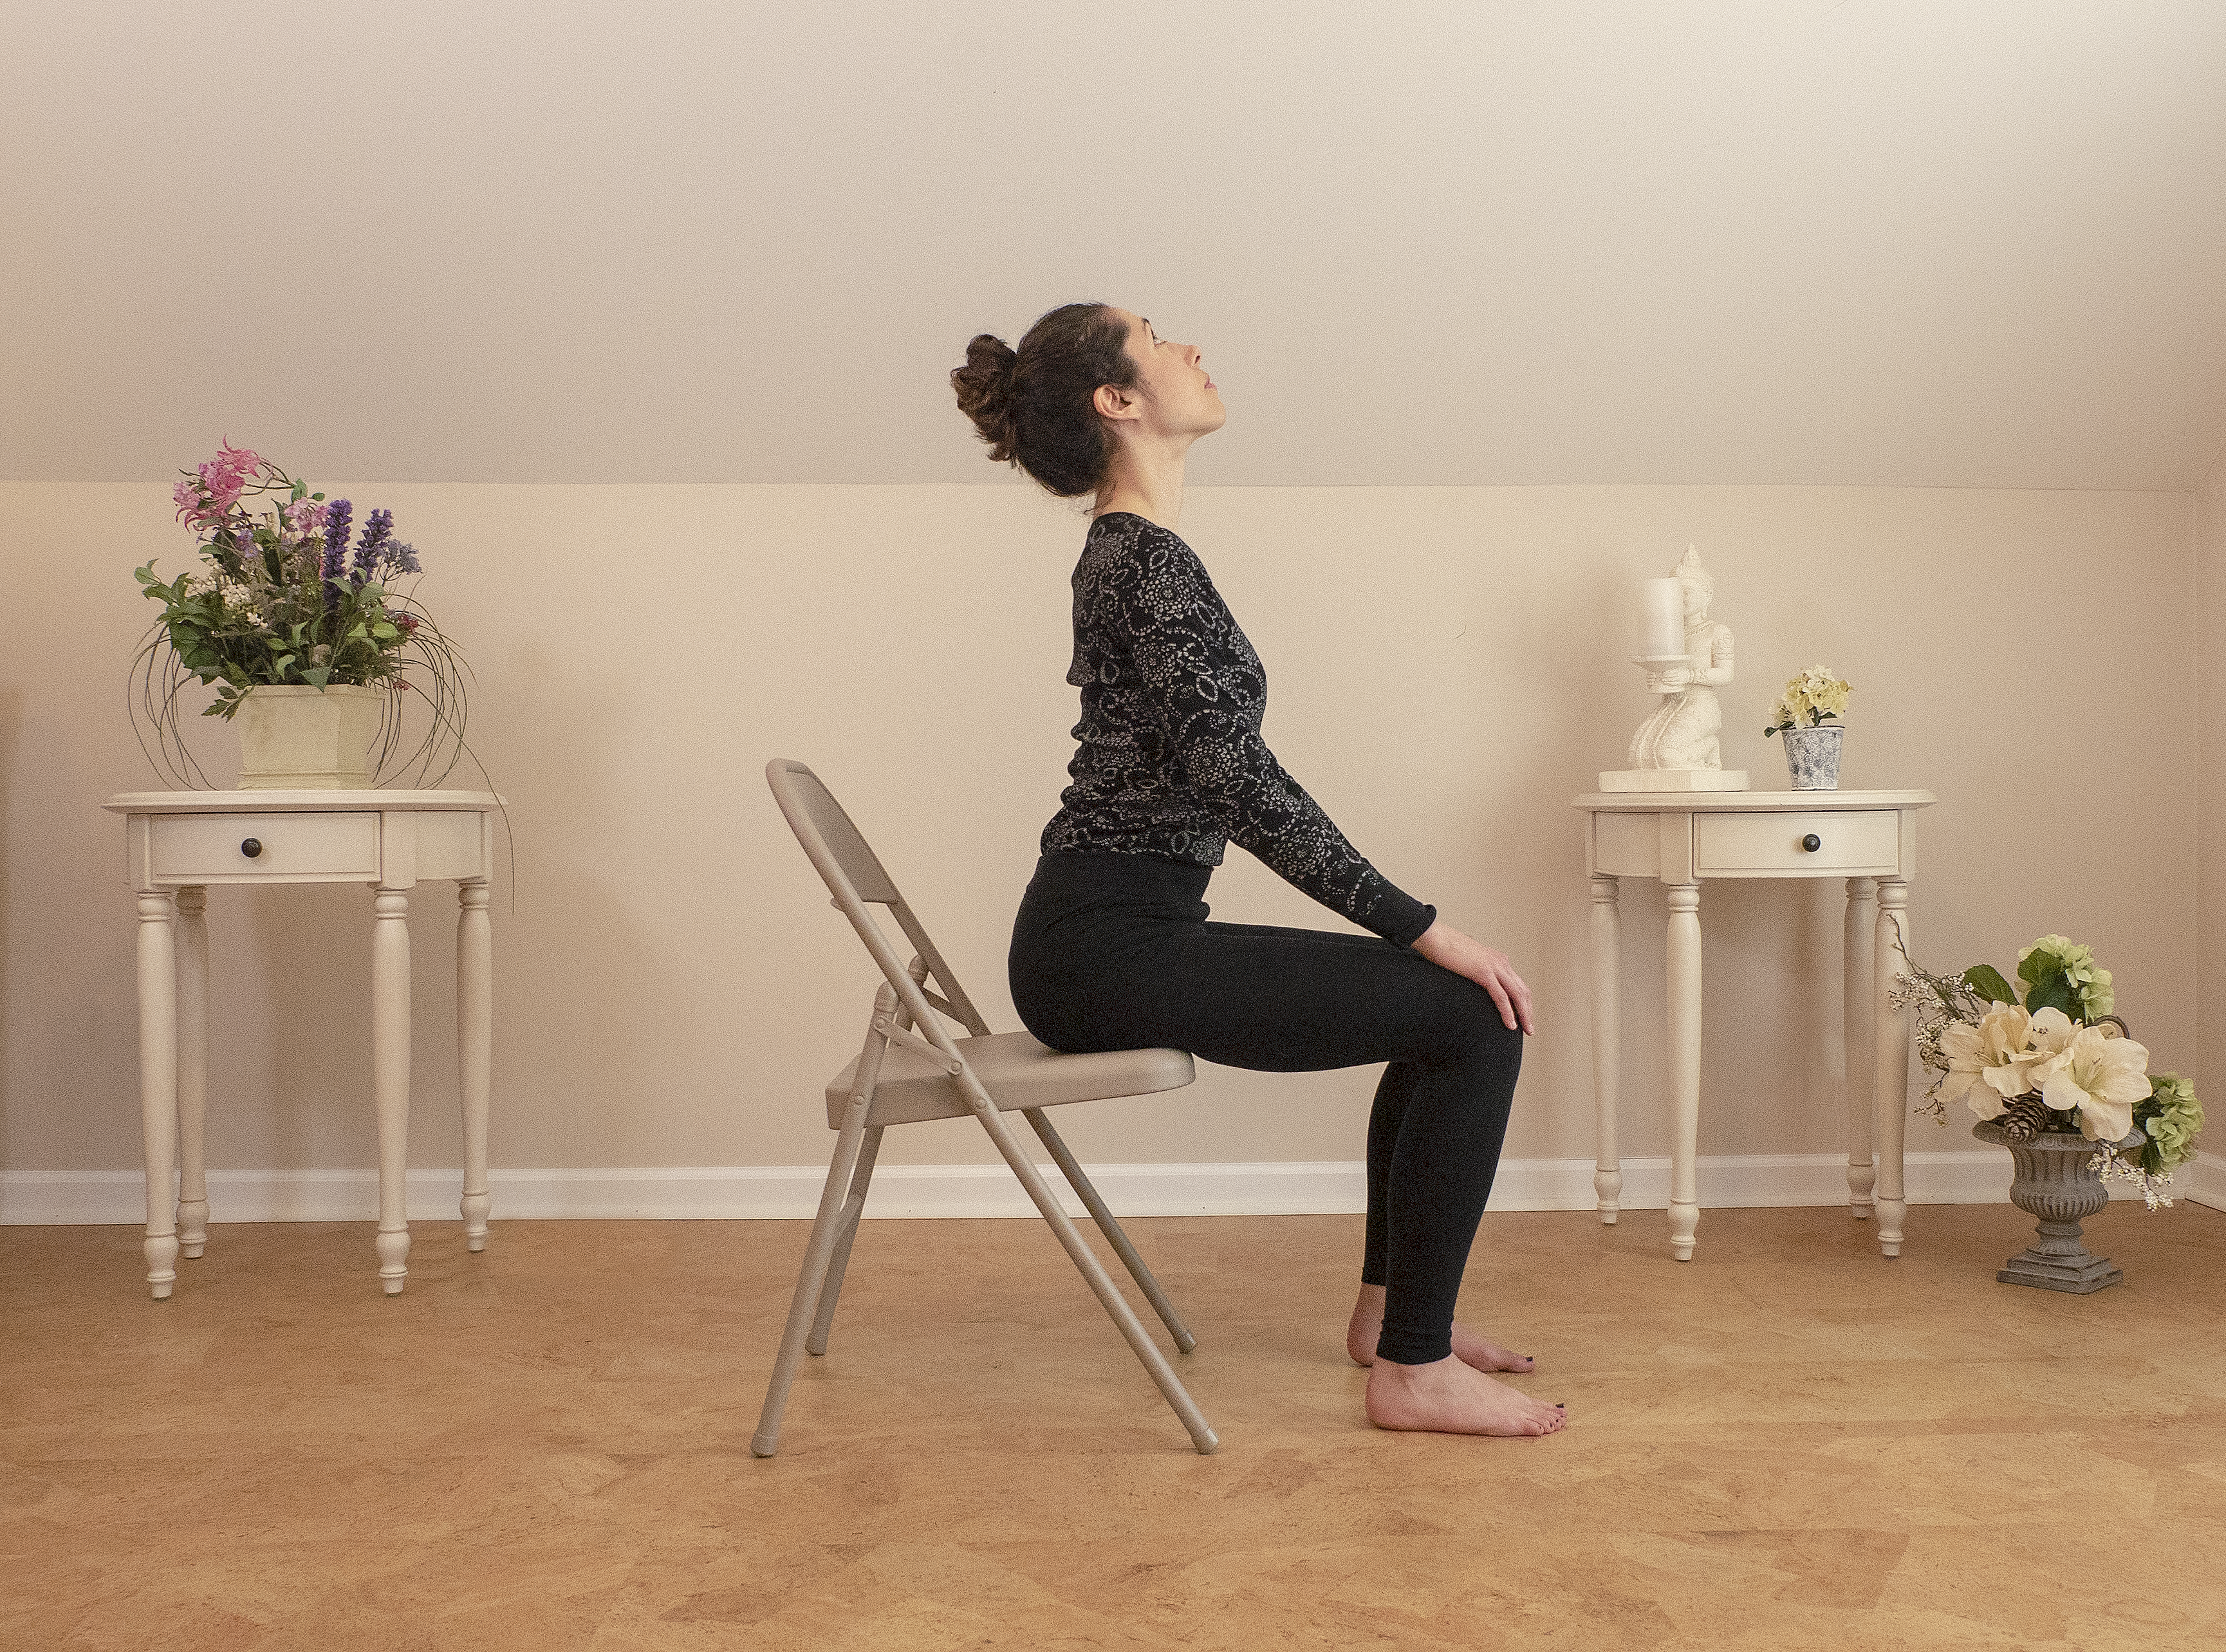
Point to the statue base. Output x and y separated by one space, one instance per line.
1673 780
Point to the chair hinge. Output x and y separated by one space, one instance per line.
887 1027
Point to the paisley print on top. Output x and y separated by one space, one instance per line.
1168 757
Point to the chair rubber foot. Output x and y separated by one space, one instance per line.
760 1447
1207 1444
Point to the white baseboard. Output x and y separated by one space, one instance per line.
786 1192
2202 1180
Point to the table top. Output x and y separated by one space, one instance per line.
1659 803
293 802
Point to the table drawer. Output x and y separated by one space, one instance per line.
1771 845
194 848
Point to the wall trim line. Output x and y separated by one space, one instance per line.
790 1192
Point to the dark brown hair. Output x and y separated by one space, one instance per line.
1033 405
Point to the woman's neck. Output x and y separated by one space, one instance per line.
1148 484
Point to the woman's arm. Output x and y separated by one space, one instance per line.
1187 652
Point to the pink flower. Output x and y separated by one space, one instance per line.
305 516
242 461
220 488
207 502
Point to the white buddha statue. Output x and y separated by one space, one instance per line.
1682 733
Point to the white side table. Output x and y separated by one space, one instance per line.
179 842
1867 837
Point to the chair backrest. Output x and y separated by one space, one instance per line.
836 846
855 876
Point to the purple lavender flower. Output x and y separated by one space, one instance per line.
404 559
378 529
337 515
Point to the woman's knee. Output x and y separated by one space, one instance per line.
1479 1032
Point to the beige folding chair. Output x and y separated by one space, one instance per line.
901 1078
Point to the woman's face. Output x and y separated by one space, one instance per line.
1177 396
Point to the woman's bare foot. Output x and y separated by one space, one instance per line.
1449 1397
1468 1347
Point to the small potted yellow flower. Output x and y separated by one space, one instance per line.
1805 715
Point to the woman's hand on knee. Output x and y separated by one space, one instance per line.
1448 948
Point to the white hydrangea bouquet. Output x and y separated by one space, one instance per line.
2055 1058
1809 699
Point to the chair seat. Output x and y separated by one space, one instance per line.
1017 1071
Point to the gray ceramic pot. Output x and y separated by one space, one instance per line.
1812 756
2053 1179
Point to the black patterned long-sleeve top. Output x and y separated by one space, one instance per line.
1168 758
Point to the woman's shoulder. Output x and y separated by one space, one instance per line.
1122 544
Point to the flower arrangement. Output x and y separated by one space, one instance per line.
2054 1059
282 597
1809 699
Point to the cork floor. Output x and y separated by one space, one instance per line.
1789 1443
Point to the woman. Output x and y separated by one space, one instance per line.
1111 949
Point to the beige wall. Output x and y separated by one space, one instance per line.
2208 530
1448 668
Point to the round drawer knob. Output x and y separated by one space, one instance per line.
250 847
1812 842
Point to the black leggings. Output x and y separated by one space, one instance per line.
1113 952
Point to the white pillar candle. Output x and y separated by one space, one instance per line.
1664 612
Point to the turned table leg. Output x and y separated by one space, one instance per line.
389 1079
1607 1045
193 1069
1890 1079
158 1082
1684 984
1859 1038
475 1050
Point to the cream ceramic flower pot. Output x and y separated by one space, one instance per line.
299 739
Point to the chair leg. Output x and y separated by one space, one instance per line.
1109 1294
853 1208
1103 1215
826 1229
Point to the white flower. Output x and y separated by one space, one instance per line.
1994 1051
2050 1039
2101 1075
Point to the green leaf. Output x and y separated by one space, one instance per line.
317 675
2054 993
1986 981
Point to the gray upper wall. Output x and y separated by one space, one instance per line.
1930 243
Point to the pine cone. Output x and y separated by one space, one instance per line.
2023 1118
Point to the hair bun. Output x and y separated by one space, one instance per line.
984 387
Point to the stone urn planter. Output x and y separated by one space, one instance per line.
294 738
2053 1179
